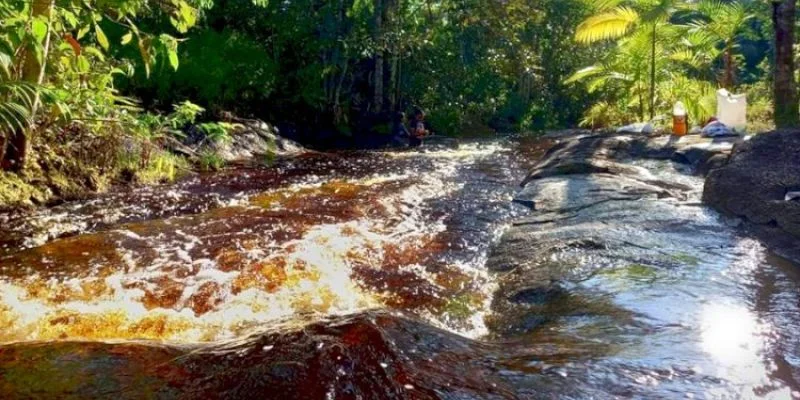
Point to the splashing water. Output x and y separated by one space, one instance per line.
344 234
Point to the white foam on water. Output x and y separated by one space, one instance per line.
310 275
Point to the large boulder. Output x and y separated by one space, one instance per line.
246 139
252 138
757 183
586 153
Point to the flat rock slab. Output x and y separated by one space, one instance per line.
592 211
602 153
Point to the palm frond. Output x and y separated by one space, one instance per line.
710 8
584 73
599 6
607 25
13 116
5 65
16 103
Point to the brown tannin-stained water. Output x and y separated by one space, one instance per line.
363 275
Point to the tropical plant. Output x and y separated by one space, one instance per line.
209 160
618 18
626 71
61 50
723 23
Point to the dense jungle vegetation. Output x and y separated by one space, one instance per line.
93 91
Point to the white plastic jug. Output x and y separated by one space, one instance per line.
679 110
732 110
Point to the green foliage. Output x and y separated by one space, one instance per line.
16 103
58 64
162 166
184 113
209 160
220 70
462 61
664 51
603 114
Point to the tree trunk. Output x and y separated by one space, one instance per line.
785 90
14 150
392 21
728 79
377 101
641 99
3 143
393 82
653 74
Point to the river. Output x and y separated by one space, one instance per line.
146 292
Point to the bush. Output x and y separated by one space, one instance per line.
209 160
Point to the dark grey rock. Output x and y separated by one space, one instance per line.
247 139
755 181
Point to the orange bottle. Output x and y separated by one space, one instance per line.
680 125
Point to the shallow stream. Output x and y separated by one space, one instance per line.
152 274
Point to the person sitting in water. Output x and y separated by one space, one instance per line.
418 131
400 134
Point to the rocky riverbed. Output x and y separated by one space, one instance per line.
406 275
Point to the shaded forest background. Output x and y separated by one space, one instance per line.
333 68
323 69
104 85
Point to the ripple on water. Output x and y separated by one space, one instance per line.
322 245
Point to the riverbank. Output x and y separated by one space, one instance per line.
64 168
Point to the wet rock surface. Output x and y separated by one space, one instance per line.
372 355
588 211
756 184
617 251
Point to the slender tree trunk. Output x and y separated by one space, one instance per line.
785 91
392 22
641 100
15 149
393 83
378 94
337 107
653 73
3 144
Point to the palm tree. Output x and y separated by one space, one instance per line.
16 102
625 70
723 22
618 18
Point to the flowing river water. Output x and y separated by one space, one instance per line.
96 295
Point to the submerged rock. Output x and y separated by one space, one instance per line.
754 184
372 355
